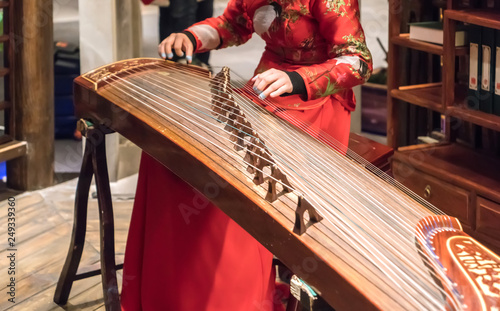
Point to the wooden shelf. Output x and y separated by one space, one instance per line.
485 18
458 165
11 150
4 4
487 120
423 95
465 181
404 40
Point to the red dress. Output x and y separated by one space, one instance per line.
208 262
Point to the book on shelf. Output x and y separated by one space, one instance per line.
432 32
487 71
496 83
427 140
475 62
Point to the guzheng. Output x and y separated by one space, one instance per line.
358 237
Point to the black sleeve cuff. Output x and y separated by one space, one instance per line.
299 87
191 38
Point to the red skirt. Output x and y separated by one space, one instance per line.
204 261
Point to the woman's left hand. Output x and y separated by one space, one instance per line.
272 82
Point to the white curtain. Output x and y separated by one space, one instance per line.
110 30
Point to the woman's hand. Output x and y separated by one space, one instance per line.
272 82
180 43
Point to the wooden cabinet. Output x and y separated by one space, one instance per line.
450 199
488 220
462 181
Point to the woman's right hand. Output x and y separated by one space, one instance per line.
178 42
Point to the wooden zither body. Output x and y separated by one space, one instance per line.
370 251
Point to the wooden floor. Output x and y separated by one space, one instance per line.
43 228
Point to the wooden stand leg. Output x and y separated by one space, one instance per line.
94 163
108 267
68 274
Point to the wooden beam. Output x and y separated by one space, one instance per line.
395 9
33 106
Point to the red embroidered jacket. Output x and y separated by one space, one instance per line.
322 40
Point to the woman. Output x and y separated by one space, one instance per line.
315 53
176 15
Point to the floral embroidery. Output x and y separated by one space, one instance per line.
330 89
291 15
233 39
322 39
356 46
337 6
307 43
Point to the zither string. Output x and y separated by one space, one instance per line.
438 212
253 104
177 86
332 141
412 228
